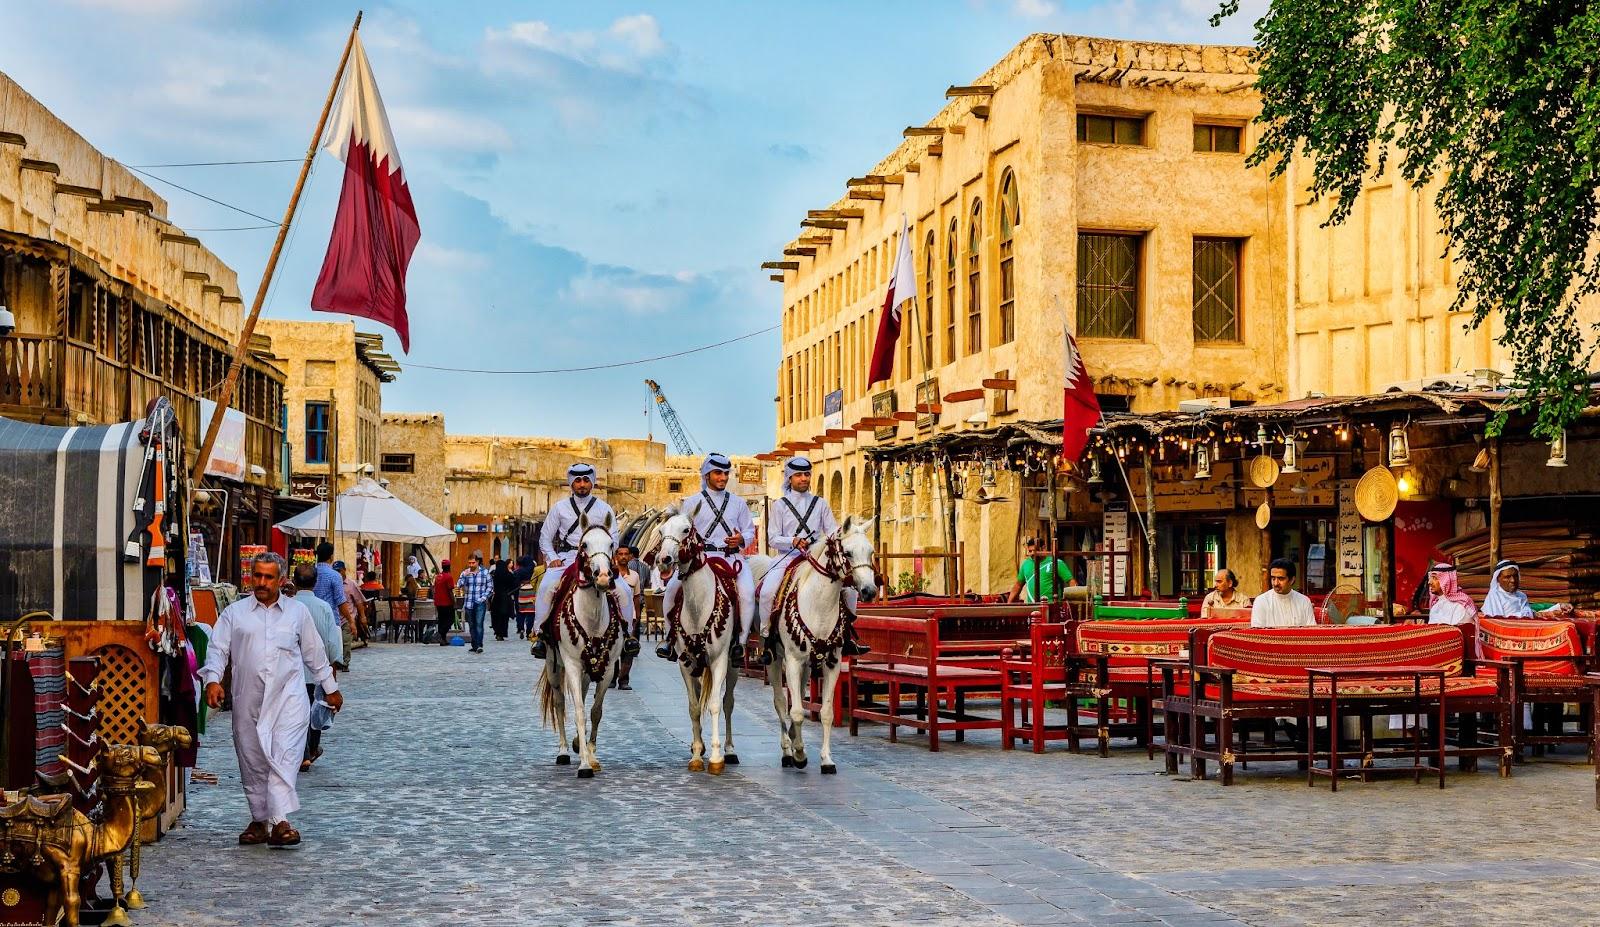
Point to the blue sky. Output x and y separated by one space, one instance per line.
595 181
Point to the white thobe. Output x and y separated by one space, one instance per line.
559 539
271 646
794 516
1446 611
716 515
1271 610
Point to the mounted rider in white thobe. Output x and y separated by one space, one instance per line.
559 541
799 519
273 643
723 522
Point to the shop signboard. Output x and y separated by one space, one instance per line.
833 409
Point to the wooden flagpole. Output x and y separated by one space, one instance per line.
232 381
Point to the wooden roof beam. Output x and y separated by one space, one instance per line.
824 223
775 278
806 240
875 180
780 265
799 252
981 111
923 132
970 90
860 194
834 213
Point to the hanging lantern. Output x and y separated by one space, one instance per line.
1291 456
988 474
1399 446
1202 461
1095 479
907 482
1261 435
1558 450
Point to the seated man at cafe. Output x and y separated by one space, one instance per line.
1039 575
1224 593
1282 606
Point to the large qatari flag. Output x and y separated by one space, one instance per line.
375 230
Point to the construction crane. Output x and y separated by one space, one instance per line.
680 438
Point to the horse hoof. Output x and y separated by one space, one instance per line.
828 769
563 760
716 768
585 774
788 761
801 763
595 765
697 765
731 759
575 743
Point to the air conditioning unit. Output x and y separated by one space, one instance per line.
1439 383
1205 404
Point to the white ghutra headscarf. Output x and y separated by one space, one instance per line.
1502 604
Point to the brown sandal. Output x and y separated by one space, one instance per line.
255 834
284 835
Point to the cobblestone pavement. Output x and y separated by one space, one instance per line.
438 803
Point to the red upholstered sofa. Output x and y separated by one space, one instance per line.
1105 661
1261 673
1548 660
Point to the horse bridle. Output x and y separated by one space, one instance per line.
586 576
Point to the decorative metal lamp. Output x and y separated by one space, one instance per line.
988 474
1261 435
1095 479
1399 446
1558 451
907 482
1291 456
1202 461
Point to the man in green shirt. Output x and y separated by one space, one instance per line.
1039 575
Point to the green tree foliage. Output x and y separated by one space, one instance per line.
1499 103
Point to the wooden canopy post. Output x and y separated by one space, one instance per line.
1152 574
231 381
1494 500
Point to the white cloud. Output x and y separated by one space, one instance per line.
634 294
151 8
451 130
1033 9
450 259
631 44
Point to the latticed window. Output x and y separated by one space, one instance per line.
1216 289
975 279
950 295
1010 218
927 298
1108 285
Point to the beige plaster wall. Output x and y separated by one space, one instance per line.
50 181
1163 190
419 434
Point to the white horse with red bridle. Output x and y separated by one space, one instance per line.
588 626
808 609
704 626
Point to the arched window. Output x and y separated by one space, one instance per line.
927 298
975 279
1010 217
950 294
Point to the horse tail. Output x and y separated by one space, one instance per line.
551 697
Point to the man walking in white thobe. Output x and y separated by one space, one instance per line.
272 641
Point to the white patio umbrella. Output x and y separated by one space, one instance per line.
370 511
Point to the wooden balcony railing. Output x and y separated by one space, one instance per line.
28 373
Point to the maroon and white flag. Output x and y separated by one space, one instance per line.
375 229
902 286
1080 408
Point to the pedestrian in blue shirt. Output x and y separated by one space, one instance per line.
477 588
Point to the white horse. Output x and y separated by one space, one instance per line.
589 639
705 630
811 632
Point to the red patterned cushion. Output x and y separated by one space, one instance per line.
1271 655
1396 687
1522 638
1131 643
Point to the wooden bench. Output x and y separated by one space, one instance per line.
1548 660
941 655
1261 673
